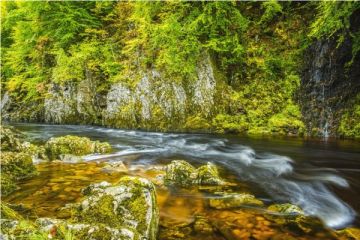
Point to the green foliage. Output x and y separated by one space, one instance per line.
272 8
333 16
256 48
287 122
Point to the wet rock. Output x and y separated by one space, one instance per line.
54 227
130 204
182 173
286 208
115 167
292 216
73 145
234 200
202 225
208 175
350 233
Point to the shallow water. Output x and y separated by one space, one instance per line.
320 176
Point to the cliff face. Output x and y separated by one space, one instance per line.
329 83
151 103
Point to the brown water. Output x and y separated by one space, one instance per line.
320 176
59 184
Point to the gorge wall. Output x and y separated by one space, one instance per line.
330 83
226 67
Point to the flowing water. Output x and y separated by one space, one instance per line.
322 177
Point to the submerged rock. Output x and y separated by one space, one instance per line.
115 167
130 204
234 200
182 173
293 216
286 209
77 146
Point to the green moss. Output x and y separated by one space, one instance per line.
181 173
129 204
350 120
102 212
74 145
8 213
10 139
225 123
8 184
287 122
197 122
17 165
208 175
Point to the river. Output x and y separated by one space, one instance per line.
322 177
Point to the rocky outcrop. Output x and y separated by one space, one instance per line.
149 100
328 82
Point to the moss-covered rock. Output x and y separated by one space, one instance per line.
208 175
286 209
234 200
182 173
8 184
130 204
17 165
292 216
10 139
74 145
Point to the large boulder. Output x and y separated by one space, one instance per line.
57 148
130 205
182 173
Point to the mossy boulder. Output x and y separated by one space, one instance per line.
208 175
56 148
182 173
15 166
10 139
234 200
130 204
